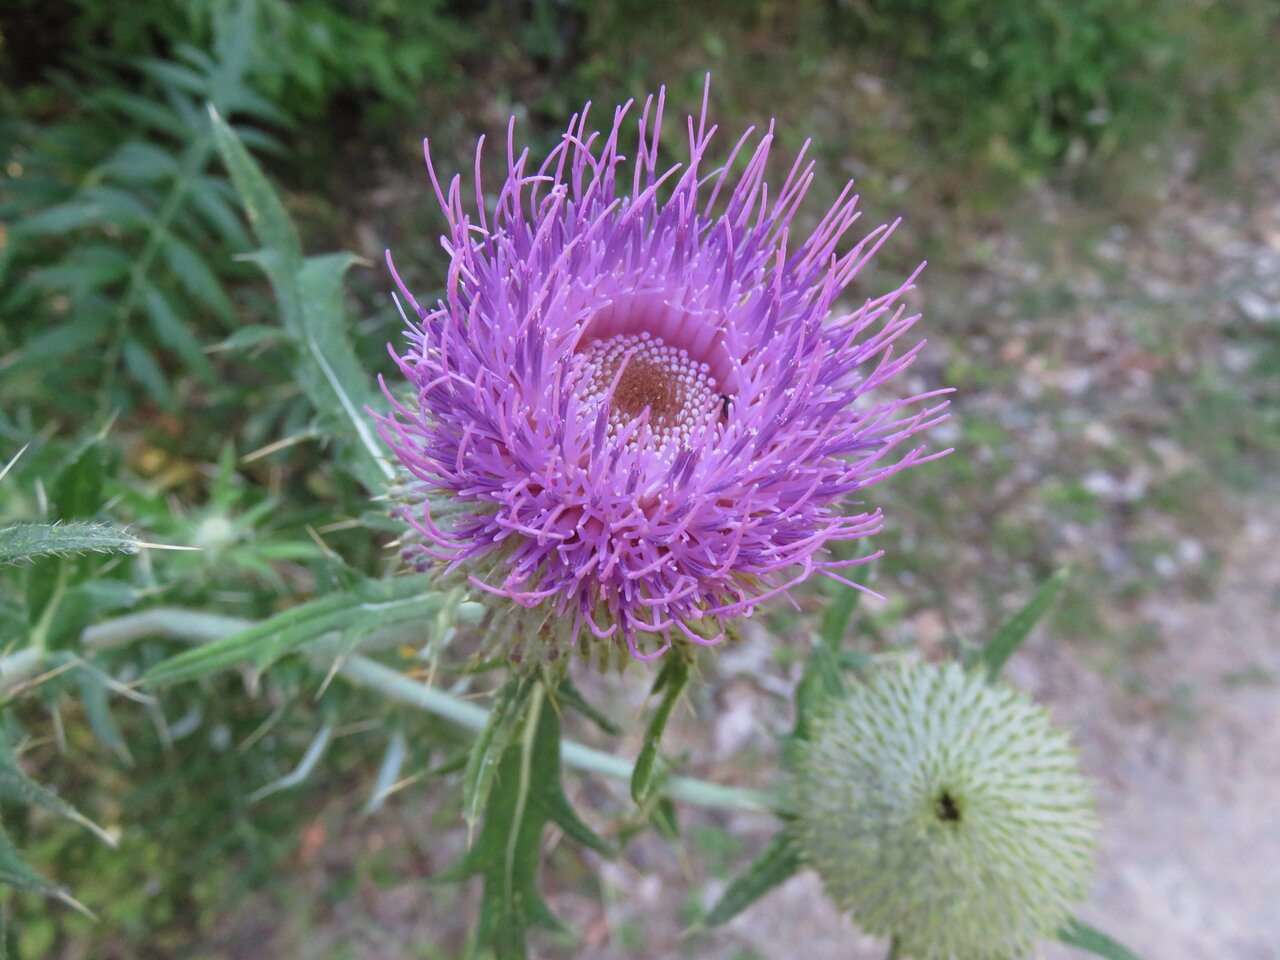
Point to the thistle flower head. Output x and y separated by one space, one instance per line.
640 395
945 812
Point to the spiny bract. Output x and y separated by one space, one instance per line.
945 812
638 397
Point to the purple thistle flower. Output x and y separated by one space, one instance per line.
639 398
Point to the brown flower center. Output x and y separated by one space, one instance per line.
679 393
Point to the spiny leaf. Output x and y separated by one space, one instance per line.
267 215
671 682
507 853
19 788
1084 937
315 751
778 863
309 293
371 605
26 541
492 743
15 872
1017 628
97 708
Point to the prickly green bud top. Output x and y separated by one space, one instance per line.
945 812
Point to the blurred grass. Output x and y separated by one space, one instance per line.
1112 399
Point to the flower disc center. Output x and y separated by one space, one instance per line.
679 392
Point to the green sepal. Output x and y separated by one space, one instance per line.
1018 627
1084 937
778 863
670 682
527 795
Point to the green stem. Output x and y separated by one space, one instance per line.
366 672
895 950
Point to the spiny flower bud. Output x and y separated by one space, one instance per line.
945 812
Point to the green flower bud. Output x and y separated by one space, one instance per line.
946 813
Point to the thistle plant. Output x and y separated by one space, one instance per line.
648 403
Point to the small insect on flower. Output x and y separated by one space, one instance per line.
639 407
945 813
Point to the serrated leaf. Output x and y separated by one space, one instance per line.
1084 937
779 862
26 541
671 682
1017 628
508 851
371 605
17 787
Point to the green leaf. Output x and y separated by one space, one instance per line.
671 683
171 331
371 605
507 853
310 296
315 752
1084 937
492 743
197 278
142 366
267 214
15 872
78 486
779 862
26 541
1017 628
139 162
570 695
17 787
97 708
